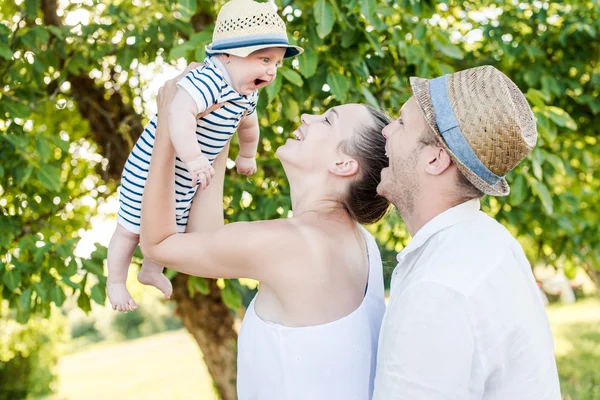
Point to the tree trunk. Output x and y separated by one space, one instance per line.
210 321
115 127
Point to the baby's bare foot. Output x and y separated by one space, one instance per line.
119 297
156 279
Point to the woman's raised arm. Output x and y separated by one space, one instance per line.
242 249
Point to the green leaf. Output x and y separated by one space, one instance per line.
307 63
339 85
83 302
197 284
25 299
367 8
42 290
369 97
49 177
20 142
324 17
187 8
292 76
40 252
31 8
6 52
443 44
181 51
71 284
374 41
274 88
57 295
94 266
518 191
56 31
537 98
291 109
231 296
98 294
561 117
544 195
420 32
43 149
12 279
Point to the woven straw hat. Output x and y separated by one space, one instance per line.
483 121
245 26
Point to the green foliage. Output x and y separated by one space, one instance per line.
28 354
53 179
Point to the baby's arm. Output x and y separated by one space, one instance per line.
248 134
182 130
182 126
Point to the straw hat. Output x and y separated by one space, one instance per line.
245 26
483 121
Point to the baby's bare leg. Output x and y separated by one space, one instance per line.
120 250
152 274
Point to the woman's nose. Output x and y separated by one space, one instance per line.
386 131
306 118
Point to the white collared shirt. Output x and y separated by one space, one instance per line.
465 318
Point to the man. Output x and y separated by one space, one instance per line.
465 319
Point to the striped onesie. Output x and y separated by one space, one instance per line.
208 84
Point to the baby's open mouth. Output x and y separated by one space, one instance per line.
259 82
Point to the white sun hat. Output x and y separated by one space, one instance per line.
245 26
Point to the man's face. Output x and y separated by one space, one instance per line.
400 182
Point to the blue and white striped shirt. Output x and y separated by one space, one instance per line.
208 85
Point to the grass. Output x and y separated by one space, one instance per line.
576 330
170 365
164 366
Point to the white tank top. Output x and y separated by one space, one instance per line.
332 361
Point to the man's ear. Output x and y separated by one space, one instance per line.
438 160
347 167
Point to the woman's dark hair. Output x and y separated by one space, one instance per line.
367 146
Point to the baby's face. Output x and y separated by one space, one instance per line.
255 71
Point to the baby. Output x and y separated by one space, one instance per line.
249 44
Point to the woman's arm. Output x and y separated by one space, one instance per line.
243 249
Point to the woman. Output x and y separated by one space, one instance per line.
311 331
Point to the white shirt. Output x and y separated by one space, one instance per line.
332 361
465 318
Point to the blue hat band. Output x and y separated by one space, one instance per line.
450 130
254 40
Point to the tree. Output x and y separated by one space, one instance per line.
70 110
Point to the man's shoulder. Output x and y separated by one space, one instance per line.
464 255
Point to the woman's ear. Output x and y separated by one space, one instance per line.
348 167
438 160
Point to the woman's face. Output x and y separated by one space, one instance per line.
318 138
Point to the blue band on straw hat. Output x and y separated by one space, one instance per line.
450 130
253 40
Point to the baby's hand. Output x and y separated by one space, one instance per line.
200 168
245 165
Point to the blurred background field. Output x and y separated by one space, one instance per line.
145 368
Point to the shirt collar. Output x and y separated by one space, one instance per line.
451 216
220 67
